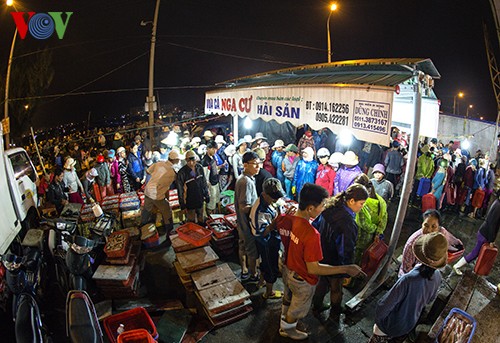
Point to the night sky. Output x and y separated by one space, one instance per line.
201 43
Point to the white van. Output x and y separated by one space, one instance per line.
18 193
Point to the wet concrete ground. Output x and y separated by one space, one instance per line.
160 282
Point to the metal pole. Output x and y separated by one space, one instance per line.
7 81
38 152
328 38
380 274
151 73
235 129
454 104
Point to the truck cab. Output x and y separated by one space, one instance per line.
18 193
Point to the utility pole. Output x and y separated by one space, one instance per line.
150 100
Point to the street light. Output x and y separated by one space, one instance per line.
333 7
460 95
7 81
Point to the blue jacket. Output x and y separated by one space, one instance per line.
276 160
480 179
135 167
304 172
398 310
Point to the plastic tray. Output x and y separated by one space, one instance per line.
136 318
463 313
136 336
194 234
221 221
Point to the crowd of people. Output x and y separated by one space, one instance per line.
342 199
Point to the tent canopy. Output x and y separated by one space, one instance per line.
357 95
379 72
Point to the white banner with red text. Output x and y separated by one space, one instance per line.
366 111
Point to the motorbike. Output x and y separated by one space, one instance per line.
23 277
82 323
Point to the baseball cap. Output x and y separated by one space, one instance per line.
273 188
173 155
190 155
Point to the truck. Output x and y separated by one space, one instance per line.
18 194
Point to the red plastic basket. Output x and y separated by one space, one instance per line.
136 336
231 220
194 234
136 318
220 221
230 208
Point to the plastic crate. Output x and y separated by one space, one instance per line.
230 208
453 312
194 234
117 244
231 220
136 318
152 241
220 221
136 336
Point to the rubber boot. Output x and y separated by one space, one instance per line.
462 262
284 310
290 330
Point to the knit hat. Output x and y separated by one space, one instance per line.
100 158
432 250
111 153
379 168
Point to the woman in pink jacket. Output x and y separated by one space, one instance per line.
325 174
114 171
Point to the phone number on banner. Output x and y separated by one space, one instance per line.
362 125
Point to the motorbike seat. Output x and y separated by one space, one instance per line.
83 324
28 325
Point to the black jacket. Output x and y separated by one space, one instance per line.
339 232
56 194
192 187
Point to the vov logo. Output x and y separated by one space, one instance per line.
41 25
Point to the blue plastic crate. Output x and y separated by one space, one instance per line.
463 313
